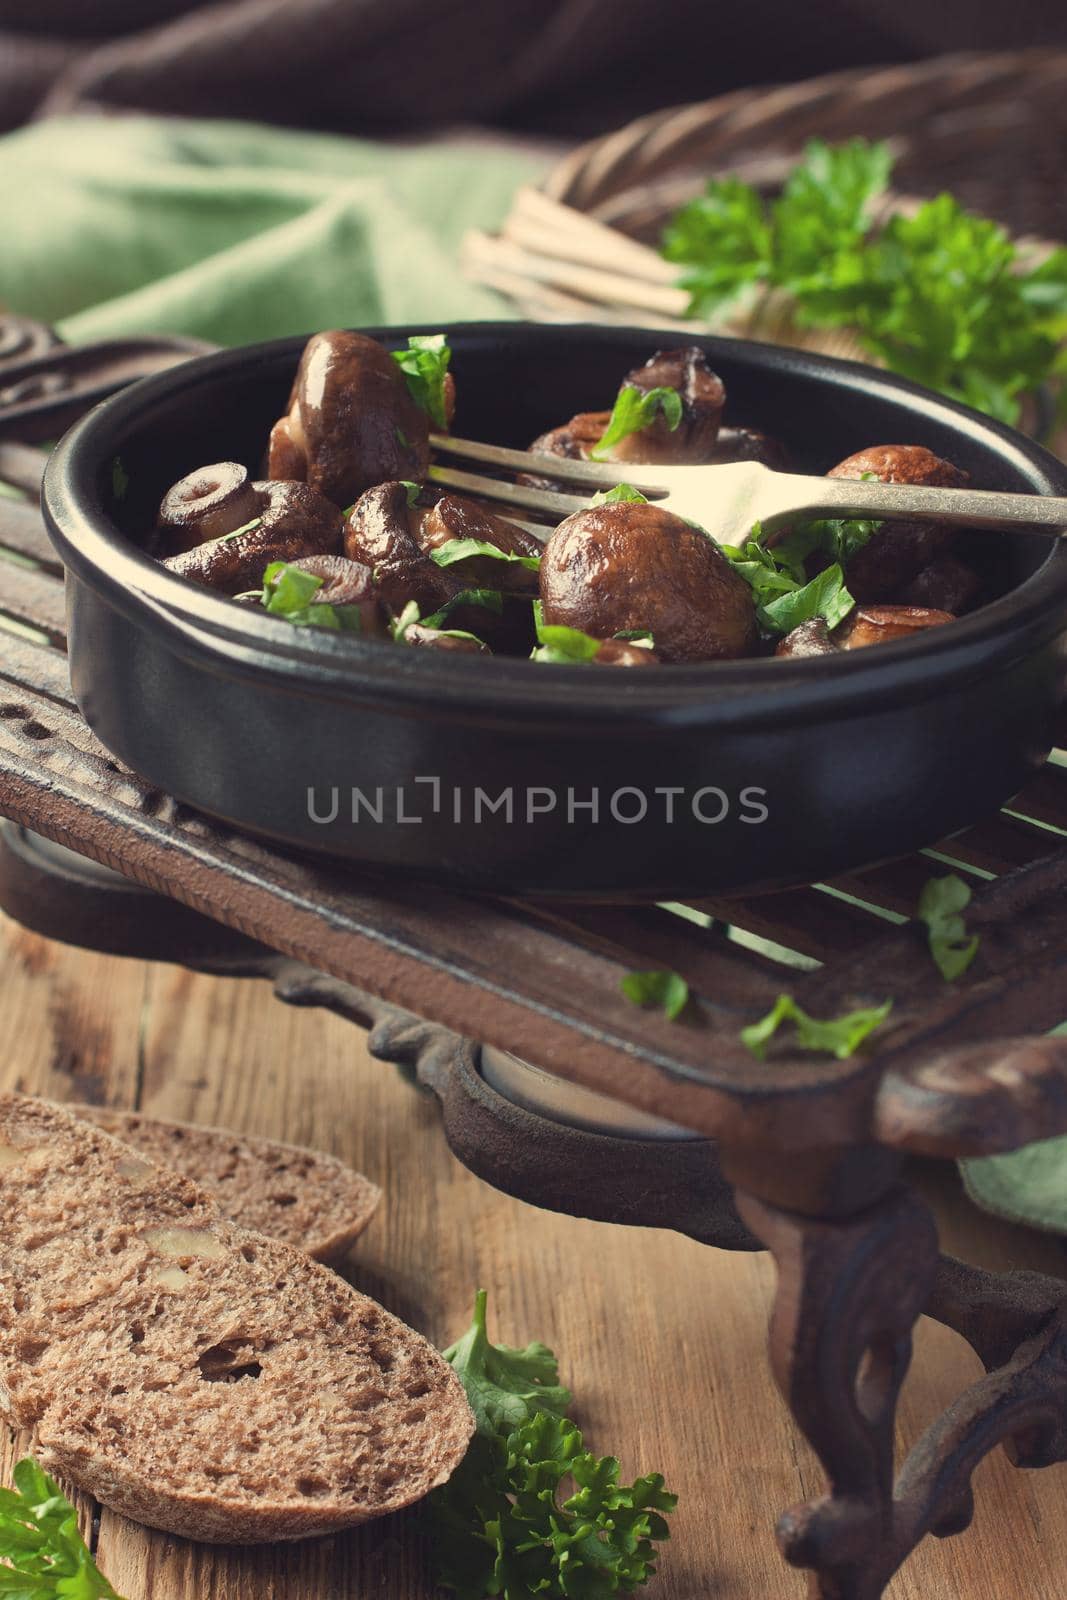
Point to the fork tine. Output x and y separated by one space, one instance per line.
543 500
585 474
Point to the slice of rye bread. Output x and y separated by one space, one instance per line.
302 1197
194 1375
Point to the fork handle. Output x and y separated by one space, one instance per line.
975 508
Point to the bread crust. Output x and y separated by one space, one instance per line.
303 1197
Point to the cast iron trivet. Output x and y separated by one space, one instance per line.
813 1152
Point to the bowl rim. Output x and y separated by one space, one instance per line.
209 628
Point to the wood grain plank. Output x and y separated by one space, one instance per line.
21 527
35 597
661 1338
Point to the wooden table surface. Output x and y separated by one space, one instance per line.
660 1338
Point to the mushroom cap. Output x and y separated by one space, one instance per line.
899 551
294 521
208 503
625 566
351 420
868 625
454 517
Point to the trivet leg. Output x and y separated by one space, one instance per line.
849 1294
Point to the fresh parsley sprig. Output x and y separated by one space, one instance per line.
424 364
940 905
530 1512
563 646
940 296
42 1553
837 1036
634 411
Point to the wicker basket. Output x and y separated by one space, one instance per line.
990 128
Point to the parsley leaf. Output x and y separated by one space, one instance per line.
424 364
563 646
460 549
940 904
839 1036
776 578
657 988
530 1511
621 491
941 296
246 527
413 491
120 478
505 1386
634 411
40 1543
487 599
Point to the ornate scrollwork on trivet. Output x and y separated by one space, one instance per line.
849 1294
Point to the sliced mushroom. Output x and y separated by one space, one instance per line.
749 444
628 566
351 422
207 504
900 550
293 521
623 653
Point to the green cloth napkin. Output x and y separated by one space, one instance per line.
233 232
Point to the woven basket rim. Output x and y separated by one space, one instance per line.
937 103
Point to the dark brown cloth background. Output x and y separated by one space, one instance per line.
568 67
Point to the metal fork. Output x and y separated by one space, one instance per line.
728 500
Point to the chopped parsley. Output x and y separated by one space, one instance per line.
940 905
838 1036
634 411
424 364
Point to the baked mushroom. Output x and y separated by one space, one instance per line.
628 565
208 504
347 583
702 397
946 584
351 421
290 521
899 551
868 625
865 625
395 538
623 653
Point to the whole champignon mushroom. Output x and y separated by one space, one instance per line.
347 583
868 625
456 518
864 626
395 539
627 566
899 551
292 521
207 504
351 421
624 653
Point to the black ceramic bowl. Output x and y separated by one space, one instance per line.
510 776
